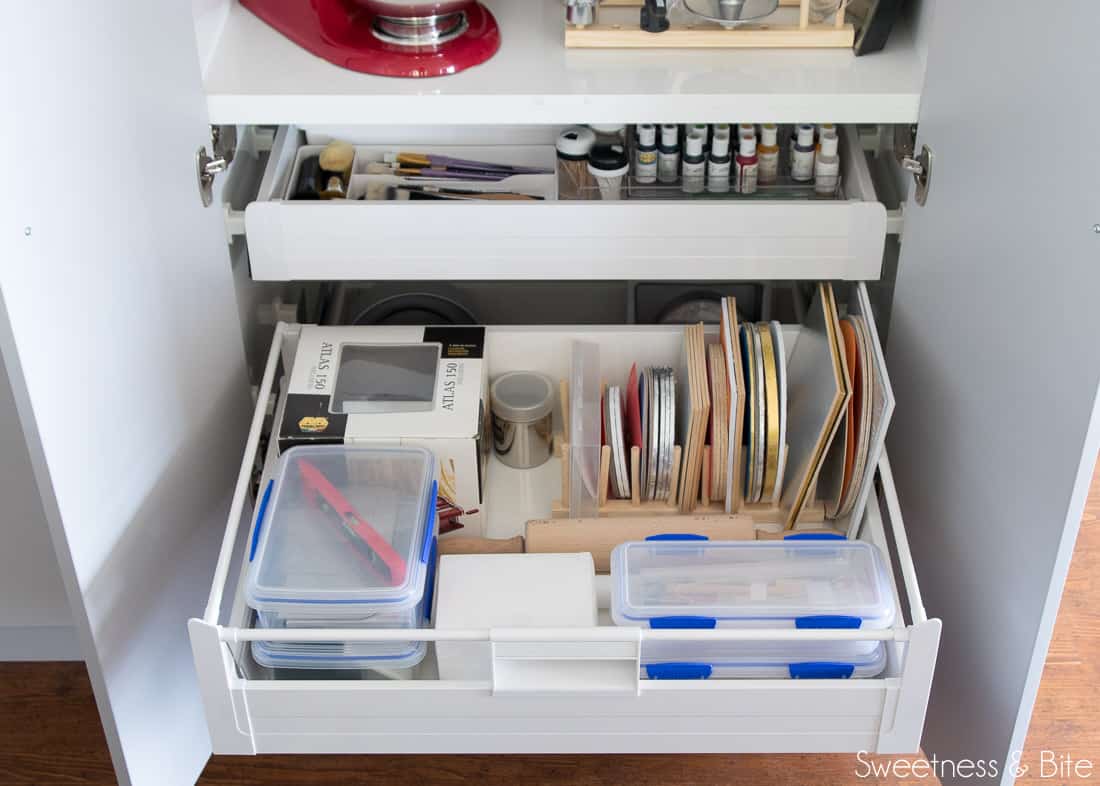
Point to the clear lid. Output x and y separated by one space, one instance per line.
522 396
342 529
780 584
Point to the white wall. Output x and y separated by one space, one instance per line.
35 621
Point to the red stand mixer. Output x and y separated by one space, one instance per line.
409 38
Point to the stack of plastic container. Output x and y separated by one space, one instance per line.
345 538
677 584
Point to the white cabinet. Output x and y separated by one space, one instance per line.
35 621
122 335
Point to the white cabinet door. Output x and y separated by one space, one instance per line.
994 353
120 332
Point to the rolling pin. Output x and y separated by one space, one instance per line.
481 545
600 536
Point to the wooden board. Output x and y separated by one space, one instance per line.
617 27
600 536
481 545
711 37
761 513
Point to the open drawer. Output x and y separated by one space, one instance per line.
840 239
526 707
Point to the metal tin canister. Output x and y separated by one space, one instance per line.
523 418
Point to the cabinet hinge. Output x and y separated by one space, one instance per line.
919 165
224 144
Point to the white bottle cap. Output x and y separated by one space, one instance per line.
670 135
722 129
575 142
746 128
748 145
647 134
825 128
829 144
805 136
720 147
694 145
769 134
607 128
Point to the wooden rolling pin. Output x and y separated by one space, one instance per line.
481 545
599 536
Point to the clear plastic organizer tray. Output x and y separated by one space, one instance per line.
344 532
780 584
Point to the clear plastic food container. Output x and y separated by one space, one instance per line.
744 584
344 533
761 660
363 655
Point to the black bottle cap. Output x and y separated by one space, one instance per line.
608 157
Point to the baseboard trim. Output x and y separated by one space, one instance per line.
39 643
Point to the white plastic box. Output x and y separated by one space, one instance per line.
508 590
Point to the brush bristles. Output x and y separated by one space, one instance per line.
337 157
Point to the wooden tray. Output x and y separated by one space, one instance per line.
617 27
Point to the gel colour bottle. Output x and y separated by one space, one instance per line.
704 130
718 167
827 166
768 153
748 166
668 154
802 159
645 155
791 141
695 164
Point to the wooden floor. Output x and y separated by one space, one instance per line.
50 733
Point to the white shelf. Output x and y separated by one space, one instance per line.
255 75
